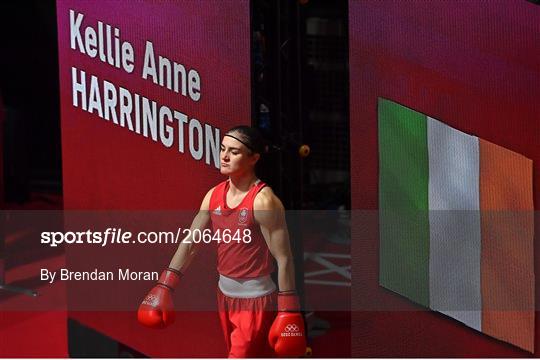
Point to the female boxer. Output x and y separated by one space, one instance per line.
242 206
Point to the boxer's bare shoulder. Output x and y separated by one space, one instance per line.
267 207
266 200
205 205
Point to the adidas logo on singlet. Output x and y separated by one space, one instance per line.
217 211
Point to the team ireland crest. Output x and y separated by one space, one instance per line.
243 216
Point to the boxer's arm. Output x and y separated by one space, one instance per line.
270 215
187 248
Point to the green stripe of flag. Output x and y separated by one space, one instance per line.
403 201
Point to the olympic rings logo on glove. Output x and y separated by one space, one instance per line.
151 300
292 328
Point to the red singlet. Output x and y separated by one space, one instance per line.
246 255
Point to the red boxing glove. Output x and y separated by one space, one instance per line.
157 309
287 335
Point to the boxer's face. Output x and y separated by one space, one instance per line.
235 157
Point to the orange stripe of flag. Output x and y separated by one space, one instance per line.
507 227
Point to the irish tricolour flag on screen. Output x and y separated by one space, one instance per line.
456 224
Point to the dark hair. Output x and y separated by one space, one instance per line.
250 137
